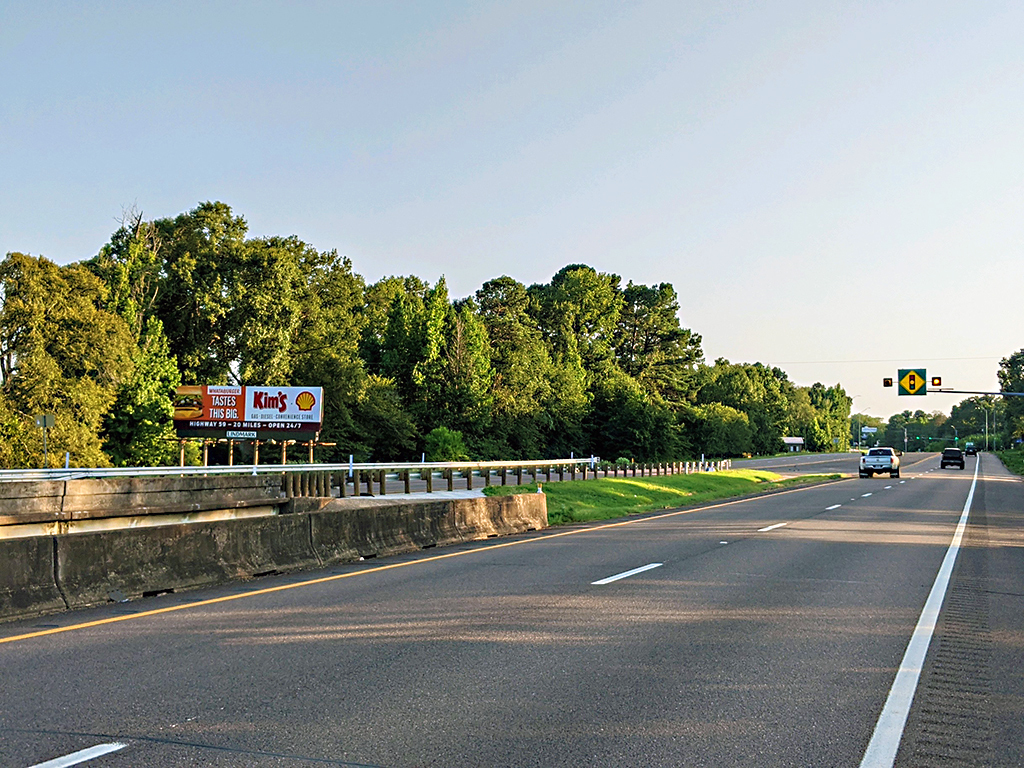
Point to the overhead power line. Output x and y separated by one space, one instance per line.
896 360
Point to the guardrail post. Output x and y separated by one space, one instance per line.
382 482
428 475
450 476
342 484
533 473
572 471
547 470
368 477
504 475
469 478
584 470
357 478
519 475
407 477
486 472
561 472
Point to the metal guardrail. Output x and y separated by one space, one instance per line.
322 480
85 473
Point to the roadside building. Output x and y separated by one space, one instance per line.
793 444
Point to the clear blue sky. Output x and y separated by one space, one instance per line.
835 188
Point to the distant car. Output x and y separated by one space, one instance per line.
952 457
970 449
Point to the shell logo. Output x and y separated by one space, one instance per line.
305 401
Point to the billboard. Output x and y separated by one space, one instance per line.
248 413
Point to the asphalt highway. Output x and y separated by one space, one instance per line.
761 632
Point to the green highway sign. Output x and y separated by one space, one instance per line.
913 381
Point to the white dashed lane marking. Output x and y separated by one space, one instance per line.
81 756
627 574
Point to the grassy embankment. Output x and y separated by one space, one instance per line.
1012 460
611 497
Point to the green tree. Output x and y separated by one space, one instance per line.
265 293
755 390
626 422
60 353
203 250
860 420
138 431
832 406
1011 379
522 369
131 266
721 431
578 311
651 346
445 444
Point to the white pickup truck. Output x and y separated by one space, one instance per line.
879 460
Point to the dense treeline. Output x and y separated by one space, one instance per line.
579 364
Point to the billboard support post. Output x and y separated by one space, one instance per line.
231 453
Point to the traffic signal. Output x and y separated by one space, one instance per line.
886 382
936 381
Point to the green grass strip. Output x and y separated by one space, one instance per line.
1012 460
607 498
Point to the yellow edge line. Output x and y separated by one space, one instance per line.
336 577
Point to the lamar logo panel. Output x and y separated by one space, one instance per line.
259 413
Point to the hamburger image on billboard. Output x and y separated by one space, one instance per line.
188 403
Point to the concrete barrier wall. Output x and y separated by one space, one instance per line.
347 529
61 501
27 582
45 574
137 561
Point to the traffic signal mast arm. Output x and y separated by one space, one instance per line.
975 392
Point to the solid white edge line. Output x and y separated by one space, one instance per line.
81 756
771 527
885 741
627 574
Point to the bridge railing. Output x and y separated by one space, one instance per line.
324 480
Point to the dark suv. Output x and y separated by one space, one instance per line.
970 450
952 457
